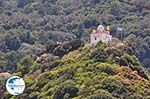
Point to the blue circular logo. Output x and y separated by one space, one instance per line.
15 85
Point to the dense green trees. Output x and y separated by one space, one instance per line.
78 74
37 22
31 28
27 38
66 93
24 65
13 43
66 48
22 3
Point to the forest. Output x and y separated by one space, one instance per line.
46 43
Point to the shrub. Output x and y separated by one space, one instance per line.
25 64
66 92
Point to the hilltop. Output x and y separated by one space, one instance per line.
86 73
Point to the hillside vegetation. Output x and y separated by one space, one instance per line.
46 42
28 26
87 73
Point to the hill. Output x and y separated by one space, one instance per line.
38 22
46 43
87 73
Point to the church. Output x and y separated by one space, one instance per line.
100 34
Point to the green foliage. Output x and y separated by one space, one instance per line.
30 28
22 3
102 96
66 92
101 45
35 67
66 48
13 43
38 22
27 38
113 86
99 55
83 78
25 64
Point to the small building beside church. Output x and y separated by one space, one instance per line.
100 34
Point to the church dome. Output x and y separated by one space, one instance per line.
100 28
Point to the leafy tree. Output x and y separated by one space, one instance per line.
25 64
22 3
66 93
66 48
99 55
13 43
50 46
27 38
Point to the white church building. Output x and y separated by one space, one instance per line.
100 34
